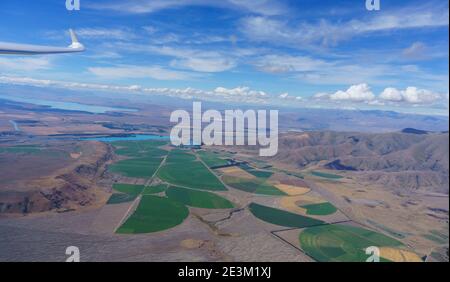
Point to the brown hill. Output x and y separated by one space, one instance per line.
398 160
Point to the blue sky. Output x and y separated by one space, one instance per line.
304 53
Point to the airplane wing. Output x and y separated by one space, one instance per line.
25 49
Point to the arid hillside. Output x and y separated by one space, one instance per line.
55 176
406 161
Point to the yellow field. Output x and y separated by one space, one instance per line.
290 204
236 172
397 255
293 190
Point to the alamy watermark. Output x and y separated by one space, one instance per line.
73 254
72 5
374 254
236 128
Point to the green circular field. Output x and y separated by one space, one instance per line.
198 199
342 243
320 209
154 214
282 218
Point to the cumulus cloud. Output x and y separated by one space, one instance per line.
362 93
356 93
239 91
221 94
411 95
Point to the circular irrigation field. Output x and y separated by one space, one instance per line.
198 199
154 214
342 243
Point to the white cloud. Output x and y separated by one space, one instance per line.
129 71
205 64
411 95
239 91
106 33
220 94
325 32
416 51
356 93
263 7
362 93
287 63
284 96
24 64
196 60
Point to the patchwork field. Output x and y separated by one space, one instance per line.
282 218
119 198
262 174
182 170
198 199
150 190
137 168
129 188
342 243
140 149
212 159
292 190
154 214
255 186
180 156
184 184
235 171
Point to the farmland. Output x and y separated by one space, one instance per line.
342 243
256 186
282 218
119 198
150 190
198 199
186 180
320 209
212 159
140 149
129 189
191 174
136 168
262 174
154 214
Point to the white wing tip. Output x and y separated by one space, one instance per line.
75 43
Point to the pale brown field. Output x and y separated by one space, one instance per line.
293 190
397 255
